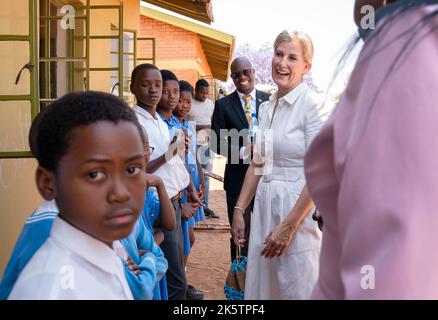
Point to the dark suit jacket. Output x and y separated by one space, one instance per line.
228 114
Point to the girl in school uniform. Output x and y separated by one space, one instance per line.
157 214
192 212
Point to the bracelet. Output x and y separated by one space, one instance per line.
239 208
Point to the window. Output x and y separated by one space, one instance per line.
128 64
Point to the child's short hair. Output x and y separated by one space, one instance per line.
186 86
140 67
201 83
75 110
33 132
168 75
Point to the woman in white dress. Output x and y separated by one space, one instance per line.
285 242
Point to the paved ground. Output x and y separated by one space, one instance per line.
209 261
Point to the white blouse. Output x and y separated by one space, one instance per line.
298 118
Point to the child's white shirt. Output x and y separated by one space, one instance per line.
173 172
72 265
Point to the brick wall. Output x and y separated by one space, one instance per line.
174 44
189 75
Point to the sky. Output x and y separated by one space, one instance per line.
328 22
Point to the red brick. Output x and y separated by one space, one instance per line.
173 43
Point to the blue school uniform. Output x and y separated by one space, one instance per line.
35 232
149 215
174 125
192 166
199 214
152 264
151 209
185 228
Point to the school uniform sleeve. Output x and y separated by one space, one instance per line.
35 232
141 285
151 210
156 208
152 265
154 256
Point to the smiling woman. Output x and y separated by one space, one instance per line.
284 243
292 60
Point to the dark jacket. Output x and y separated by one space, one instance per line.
228 114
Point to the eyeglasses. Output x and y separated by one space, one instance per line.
246 73
149 151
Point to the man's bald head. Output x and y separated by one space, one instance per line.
240 62
242 73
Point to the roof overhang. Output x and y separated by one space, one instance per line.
200 10
218 46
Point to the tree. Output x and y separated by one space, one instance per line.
261 61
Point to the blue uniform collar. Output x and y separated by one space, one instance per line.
171 122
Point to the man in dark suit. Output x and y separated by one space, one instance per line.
231 117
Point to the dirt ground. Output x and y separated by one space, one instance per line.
209 260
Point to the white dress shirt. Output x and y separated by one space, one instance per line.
72 265
173 173
201 113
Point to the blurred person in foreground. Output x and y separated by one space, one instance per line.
372 170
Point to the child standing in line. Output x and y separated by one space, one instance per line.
158 213
154 218
195 212
90 156
158 209
142 242
167 104
147 86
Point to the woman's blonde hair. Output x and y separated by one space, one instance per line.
302 38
